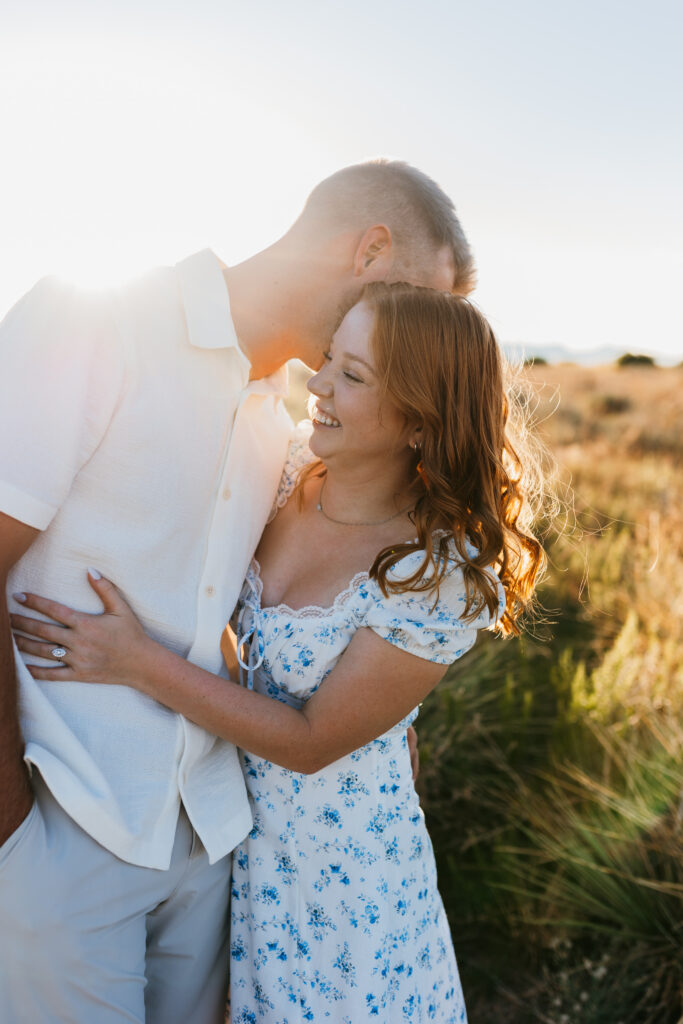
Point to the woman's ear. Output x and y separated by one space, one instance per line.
415 439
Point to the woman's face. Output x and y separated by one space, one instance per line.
351 421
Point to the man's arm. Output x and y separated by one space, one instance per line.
16 796
63 372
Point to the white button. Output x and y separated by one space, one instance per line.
227 494
210 591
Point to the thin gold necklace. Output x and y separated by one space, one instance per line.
341 522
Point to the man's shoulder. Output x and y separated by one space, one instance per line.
165 286
56 313
145 306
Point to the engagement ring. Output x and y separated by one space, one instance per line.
58 652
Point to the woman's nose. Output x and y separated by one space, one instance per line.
319 384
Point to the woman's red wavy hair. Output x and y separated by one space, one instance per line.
439 363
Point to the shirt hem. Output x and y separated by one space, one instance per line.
17 504
90 817
238 828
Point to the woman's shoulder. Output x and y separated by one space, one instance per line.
298 456
426 623
444 547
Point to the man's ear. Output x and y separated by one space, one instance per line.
374 254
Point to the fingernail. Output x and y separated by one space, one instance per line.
21 598
95 574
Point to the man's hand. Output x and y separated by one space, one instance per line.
414 753
16 796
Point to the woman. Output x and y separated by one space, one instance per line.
401 529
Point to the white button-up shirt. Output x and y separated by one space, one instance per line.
139 447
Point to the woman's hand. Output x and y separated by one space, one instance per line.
102 648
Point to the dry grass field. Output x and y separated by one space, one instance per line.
551 765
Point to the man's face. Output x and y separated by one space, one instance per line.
435 271
321 336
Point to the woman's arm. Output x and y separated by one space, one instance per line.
373 686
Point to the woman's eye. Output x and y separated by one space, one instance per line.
327 356
350 376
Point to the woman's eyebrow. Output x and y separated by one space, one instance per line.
357 359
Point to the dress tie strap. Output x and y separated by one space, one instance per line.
249 635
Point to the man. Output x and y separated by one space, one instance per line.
150 438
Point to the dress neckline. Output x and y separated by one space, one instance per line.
308 610
316 610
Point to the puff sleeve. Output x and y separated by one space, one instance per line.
411 621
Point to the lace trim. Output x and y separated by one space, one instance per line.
283 497
298 455
309 611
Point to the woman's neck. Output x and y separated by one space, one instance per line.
371 495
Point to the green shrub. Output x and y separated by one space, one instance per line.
602 862
611 405
635 360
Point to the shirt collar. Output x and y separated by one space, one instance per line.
209 322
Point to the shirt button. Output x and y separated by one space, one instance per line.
227 494
210 590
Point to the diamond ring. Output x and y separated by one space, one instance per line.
58 652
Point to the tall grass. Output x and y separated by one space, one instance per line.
551 772
601 863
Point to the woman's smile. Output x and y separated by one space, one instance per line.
324 419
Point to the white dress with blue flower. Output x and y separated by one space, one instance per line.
336 915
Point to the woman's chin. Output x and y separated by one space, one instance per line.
322 440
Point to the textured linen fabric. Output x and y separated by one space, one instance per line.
141 449
335 913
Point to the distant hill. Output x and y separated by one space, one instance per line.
516 351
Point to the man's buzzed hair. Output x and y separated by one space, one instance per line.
420 215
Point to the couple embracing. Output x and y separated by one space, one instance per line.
205 767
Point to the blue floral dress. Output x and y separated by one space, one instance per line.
336 914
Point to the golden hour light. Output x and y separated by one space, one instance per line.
131 157
341 530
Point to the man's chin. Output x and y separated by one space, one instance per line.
312 362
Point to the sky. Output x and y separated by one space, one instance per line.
135 133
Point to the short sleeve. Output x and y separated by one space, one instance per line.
410 620
298 455
62 375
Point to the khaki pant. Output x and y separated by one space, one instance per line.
86 938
